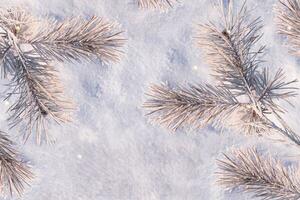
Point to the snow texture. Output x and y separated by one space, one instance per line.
112 151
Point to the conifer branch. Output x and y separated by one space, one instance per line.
38 88
40 96
231 49
77 38
263 176
156 4
29 46
288 22
199 106
14 173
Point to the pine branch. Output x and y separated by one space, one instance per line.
6 57
77 38
193 105
14 173
40 96
271 89
14 18
10 21
28 46
288 23
156 4
70 39
229 50
35 82
264 176
200 106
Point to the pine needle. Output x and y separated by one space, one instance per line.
30 45
156 4
199 106
14 173
288 22
263 176
77 38
40 96
232 50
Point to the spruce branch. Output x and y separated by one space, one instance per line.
263 176
232 50
156 4
14 173
288 22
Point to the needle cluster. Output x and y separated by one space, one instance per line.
233 52
264 176
156 4
29 46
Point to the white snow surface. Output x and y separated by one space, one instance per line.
111 151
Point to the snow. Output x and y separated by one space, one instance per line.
111 151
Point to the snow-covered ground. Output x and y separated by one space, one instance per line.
111 151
